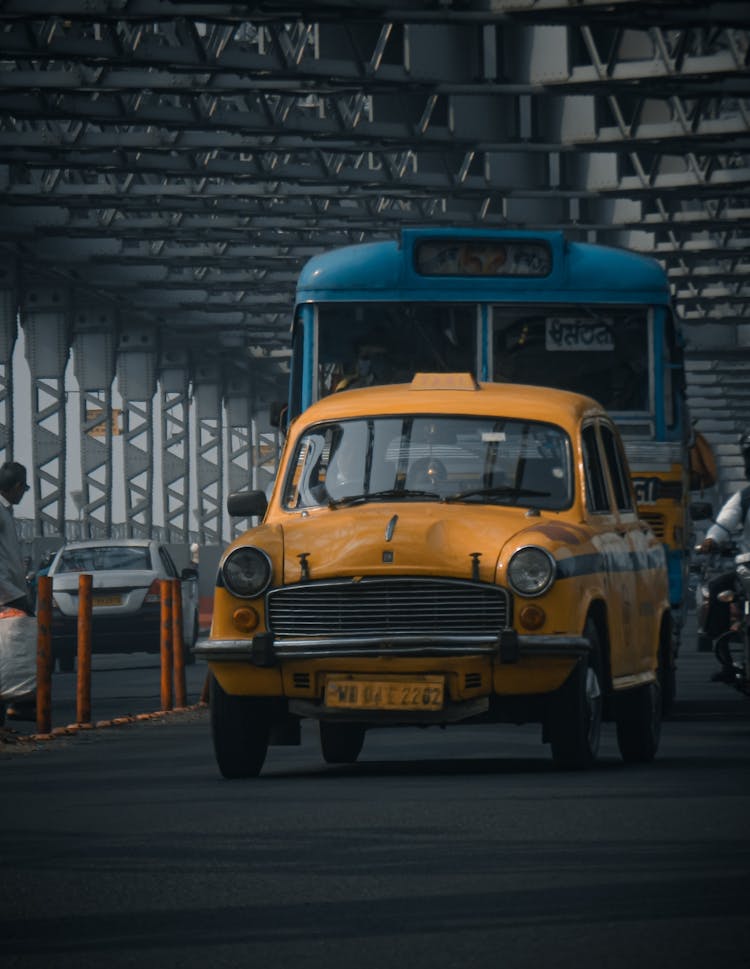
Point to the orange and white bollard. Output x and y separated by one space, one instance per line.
44 655
83 679
166 644
178 646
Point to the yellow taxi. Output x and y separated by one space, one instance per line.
441 552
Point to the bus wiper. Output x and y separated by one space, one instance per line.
503 491
392 494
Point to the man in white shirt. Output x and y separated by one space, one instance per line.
13 588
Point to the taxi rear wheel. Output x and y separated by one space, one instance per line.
639 723
575 720
341 743
240 728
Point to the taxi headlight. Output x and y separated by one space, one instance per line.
246 572
531 571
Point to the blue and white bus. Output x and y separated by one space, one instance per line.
526 307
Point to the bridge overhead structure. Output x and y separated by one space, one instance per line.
166 168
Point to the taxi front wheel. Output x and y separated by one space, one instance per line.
240 728
575 718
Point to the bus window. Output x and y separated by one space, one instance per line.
602 352
361 344
674 371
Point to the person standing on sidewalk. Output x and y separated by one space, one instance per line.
14 590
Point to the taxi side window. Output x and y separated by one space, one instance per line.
597 499
617 471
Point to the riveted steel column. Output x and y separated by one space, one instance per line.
136 370
8 332
94 362
174 379
45 311
210 453
239 438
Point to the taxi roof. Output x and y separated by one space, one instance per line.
455 394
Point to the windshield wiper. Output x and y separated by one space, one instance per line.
392 494
504 491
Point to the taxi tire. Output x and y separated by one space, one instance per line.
667 674
341 743
639 723
240 728
575 719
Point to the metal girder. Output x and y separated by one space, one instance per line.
94 337
136 378
209 452
45 318
174 387
178 163
8 332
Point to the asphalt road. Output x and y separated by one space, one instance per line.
123 847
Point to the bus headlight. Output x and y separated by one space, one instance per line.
531 571
246 572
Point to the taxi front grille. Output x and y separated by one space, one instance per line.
388 607
656 523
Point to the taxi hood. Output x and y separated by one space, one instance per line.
402 538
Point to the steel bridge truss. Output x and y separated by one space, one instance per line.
180 169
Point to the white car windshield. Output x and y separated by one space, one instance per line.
447 458
104 559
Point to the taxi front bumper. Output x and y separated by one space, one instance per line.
265 651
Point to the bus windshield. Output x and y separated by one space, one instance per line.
602 352
361 344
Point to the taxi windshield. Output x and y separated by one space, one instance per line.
476 460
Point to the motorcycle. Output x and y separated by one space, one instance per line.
731 648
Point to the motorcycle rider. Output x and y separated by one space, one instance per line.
733 517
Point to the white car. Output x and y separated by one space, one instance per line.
126 597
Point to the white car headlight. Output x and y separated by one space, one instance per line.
531 571
246 572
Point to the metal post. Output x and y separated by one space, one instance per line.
175 439
178 646
166 644
136 368
83 680
44 655
94 357
209 453
45 321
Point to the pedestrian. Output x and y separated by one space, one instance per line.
14 591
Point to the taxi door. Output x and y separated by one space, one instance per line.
614 547
645 590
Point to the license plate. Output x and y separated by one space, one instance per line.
425 693
106 601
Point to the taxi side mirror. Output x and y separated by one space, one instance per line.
247 504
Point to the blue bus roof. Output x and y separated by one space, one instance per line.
386 271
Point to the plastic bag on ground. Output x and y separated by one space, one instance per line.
18 641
